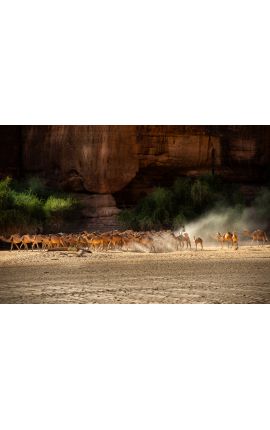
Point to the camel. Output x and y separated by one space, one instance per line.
127 240
180 240
56 241
105 241
198 241
256 236
46 243
71 240
14 239
96 243
235 240
116 241
226 237
145 240
185 238
36 240
29 239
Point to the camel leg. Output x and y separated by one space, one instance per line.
17 246
11 246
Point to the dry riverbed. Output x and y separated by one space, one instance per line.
209 276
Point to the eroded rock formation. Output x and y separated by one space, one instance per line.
128 161
97 159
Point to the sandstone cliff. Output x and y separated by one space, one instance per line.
128 161
97 159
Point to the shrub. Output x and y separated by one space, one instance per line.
146 223
128 219
13 217
37 186
200 194
181 203
60 205
181 190
28 203
178 221
6 200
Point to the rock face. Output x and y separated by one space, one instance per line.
99 212
97 159
10 150
238 153
128 161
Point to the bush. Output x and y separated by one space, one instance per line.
37 186
6 200
184 201
181 190
30 203
60 205
200 194
178 221
128 219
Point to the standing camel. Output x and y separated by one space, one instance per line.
235 240
13 240
185 238
226 237
256 236
198 240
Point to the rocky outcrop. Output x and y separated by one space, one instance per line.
237 153
128 161
99 211
177 147
96 159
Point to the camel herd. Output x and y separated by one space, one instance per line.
151 241
114 240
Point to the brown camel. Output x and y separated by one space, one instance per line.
181 242
46 243
186 239
56 241
14 239
226 237
29 240
256 236
198 240
235 240
116 241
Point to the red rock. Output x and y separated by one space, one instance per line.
131 160
98 159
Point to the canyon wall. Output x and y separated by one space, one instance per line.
10 151
126 162
105 159
97 159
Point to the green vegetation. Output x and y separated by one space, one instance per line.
31 203
184 201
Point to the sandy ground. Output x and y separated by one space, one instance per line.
209 276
